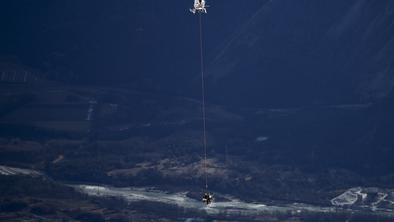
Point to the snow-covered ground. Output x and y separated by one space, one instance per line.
231 207
9 171
357 199
350 197
373 198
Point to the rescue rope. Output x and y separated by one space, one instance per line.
203 102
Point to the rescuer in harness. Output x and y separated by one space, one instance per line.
207 198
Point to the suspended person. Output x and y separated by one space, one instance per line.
207 198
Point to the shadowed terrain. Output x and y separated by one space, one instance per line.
105 97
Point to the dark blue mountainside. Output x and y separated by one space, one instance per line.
308 52
282 52
102 42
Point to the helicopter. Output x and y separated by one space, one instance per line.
199 6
